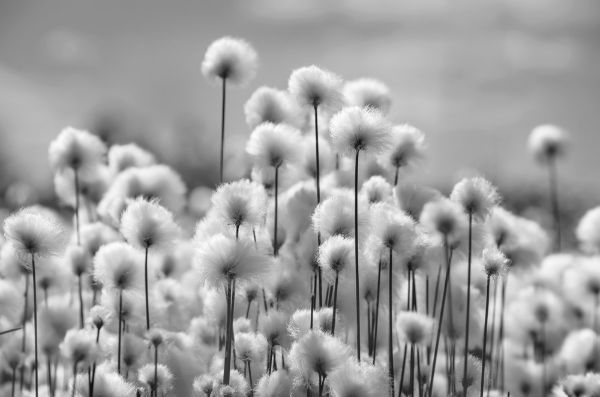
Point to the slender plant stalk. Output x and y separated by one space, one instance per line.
408 306
318 181
223 100
93 372
155 370
74 378
120 331
80 290
396 176
485 329
250 379
468 314
390 318
552 174
12 382
146 288
335 293
24 322
376 312
357 287
35 326
8 331
412 369
500 354
230 292
49 374
493 336
77 205
275 243
439 330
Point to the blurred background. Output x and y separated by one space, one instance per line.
475 75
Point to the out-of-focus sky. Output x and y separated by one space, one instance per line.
475 75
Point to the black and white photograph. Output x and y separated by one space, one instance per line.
299 198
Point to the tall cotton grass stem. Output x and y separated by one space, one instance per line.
275 242
222 150
77 204
318 182
80 293
493 336
74 378
335 294
35 325
440 321
146 287
229 293
120 329
376 311
357 284
553 186
468 314
485 329
390 324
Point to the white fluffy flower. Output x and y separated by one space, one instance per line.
368 92
107 383
276 384
376 189
336 254
119 266
394 229
414 328
79 347
230 59
147 224
358 379
76 149
547 142
273 106
122 157
33 232
220 259
407 146
316 87
335 216
359 129
493 261
588 231
445 217
317 352
162 383
476 195
240 202
274 145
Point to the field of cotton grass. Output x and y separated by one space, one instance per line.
322 273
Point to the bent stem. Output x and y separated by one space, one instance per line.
468 316
376 312
223 98
442 305
35 326
485 329
356 256
146 288
335 293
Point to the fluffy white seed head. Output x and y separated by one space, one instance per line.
368 92
276 384
119 266
443 216
230 59
588 231
76 149
317 352
99 316
147 224
547 142
122 157
407 146
335 216
79 347
376 189
269 105
354 379
162 383
476 195
494 261
414 328
336 254
221 259
274 145
394 229
107 383
359 129
240 203
313 86
250 347
32 231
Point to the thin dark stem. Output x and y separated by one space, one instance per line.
80 289
468 314
155 370
396 176
500 354
335 291
120 331
554 200
146 288
376 312
436 291
248 309
485 329
440 322
275 243
357 286
223 98
408 295
93 377
74 379
250 379
49 374
35 326
227 367
24 321
12 382
390 324
8 331
78 234
318 182
493 336
412 369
